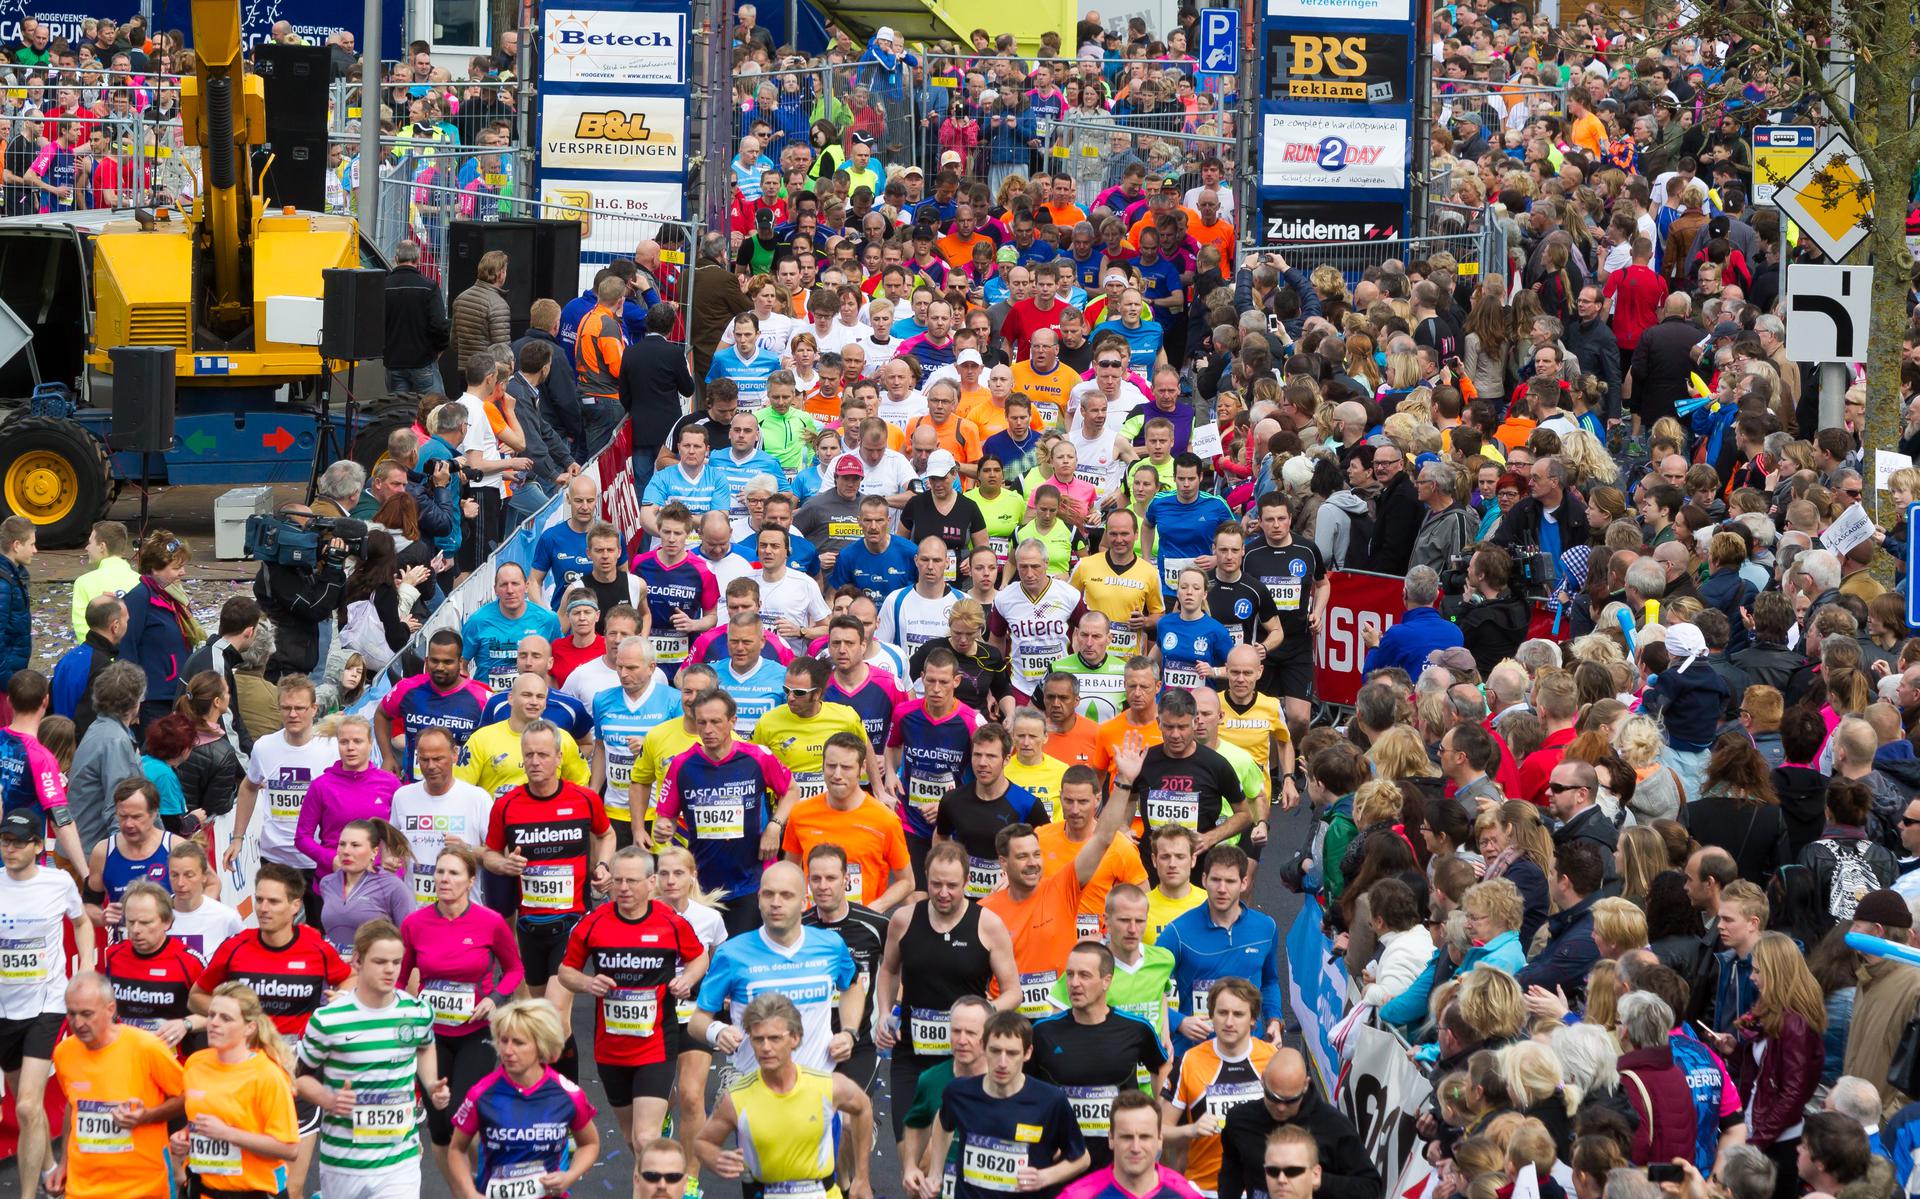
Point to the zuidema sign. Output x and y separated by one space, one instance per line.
1305 64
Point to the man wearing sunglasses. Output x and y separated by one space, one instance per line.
661 1172
1339 1166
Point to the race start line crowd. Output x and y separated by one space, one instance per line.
941 715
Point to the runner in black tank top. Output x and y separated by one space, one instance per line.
924 969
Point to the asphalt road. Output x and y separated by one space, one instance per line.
612 1174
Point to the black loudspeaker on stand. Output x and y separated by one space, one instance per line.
143 398
353 322
296 81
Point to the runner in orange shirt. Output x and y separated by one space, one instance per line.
1061 841
1140 717
1045 380
1071 737
1041 911
958 435
123 1084
879 875
1060 206
1213 230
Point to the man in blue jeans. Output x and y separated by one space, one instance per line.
417 326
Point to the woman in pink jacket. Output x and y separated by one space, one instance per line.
349 790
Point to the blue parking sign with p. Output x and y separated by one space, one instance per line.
1219 41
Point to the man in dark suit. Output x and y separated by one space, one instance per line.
1663 361
653 380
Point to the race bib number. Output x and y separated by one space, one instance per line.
1093 1108
619 771
1171 807
518 1181
1001 547
1036 992
1223 1097
1122 638
853 881
930 1032
94 1129
1170 569
1286 594
809 783
1086 925
843 530
668 647
382 1116
720 820
1046 414
283 804
631 1013
992 1164
24 963
807 1189
210 1155
1181 678
1201 988
1032 661
424 889
547 888
502 680
925 793
983 877
451 1002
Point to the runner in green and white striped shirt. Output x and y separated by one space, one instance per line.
358 1064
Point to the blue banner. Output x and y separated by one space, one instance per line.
1316 990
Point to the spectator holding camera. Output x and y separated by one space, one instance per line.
298 600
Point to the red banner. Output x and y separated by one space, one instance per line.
1354 601
613 467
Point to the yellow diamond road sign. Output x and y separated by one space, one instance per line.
1831 198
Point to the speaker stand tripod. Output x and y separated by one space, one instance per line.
331 443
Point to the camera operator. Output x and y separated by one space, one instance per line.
301 601
1551 516
1492 620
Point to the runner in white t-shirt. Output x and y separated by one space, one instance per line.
200 922
790 602
36 906
438 810
1031 620
914 615
279 771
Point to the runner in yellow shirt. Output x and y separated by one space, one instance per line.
1121 585
491 757
1030 767
1173 848
797 731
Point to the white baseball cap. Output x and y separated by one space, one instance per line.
966 356
940 464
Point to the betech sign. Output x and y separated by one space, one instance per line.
1358 68
583 46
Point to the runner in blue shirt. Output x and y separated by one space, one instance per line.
1144 336
1193 645
1222 937
692 482
881 562
756 683
745 363
622 717
491 636
560 557
535 656
1181 523
742 460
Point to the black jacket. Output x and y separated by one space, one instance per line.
1754 833
1770 663
297 601
202 659
1396 522
1346 1169
547 447
1662 363
1802 792
560 394
1591 824
1493 629
1594 346
417 325
653 377
1521 524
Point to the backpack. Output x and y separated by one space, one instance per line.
366 634
1852 876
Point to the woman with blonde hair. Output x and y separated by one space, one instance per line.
1491 1001
1401 377
1618 925
1538 1089
1657 789
1494 912
1776 1049
1587 458
1603 994
1360 363
498 1114
1641 855
241 1130
1515 843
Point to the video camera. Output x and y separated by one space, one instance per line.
300 541
1531 578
